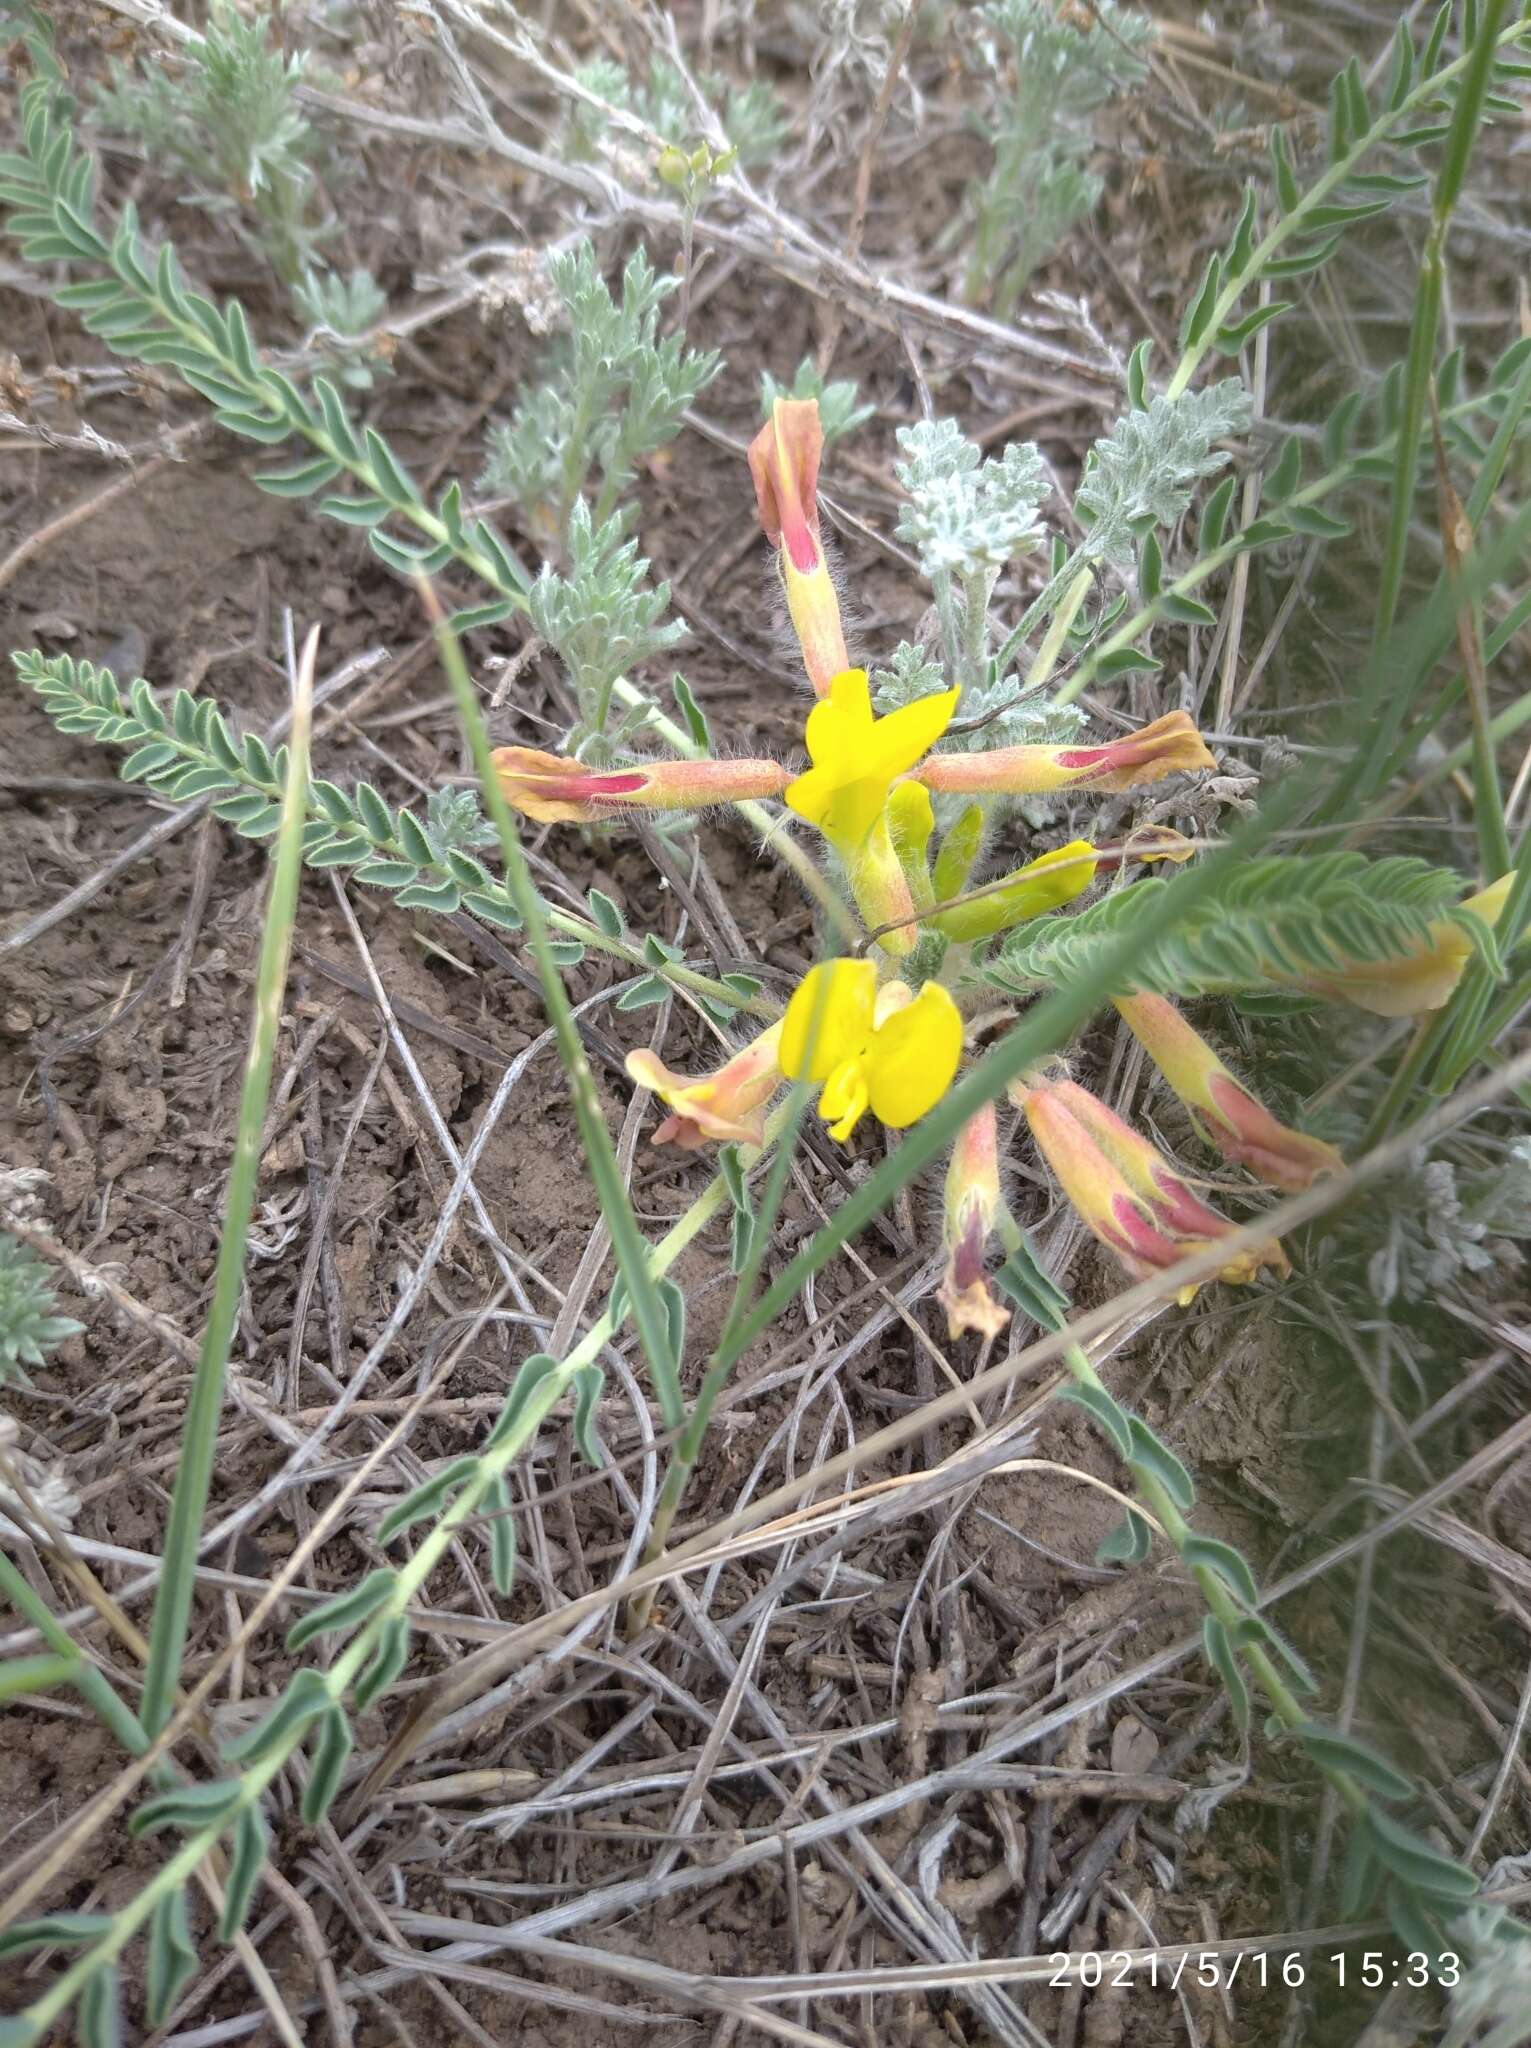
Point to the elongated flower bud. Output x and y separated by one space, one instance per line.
784 463
882 892
1224 1111
555 790
1167 747
1412 982
1128 1193
1041 885
1053 879
911 822
972 1203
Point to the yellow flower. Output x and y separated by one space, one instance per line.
883 1049
784 463
1224 1111
856 761
727 1105
857 757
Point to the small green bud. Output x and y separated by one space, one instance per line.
959 850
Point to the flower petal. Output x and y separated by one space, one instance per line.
856 757
1423 980
829 1019
881 887
905 736
1129 1195
838 731
726 1105
913 1057
1223 1110
814 610
1168 746
554 789
784 465
841 794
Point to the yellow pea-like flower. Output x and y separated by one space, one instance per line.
858 757
884 1049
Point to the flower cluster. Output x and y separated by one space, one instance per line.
878 1032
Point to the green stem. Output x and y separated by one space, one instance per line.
1418 365
172 1606
1501 727
951 632
781 1131
92 1684
773 830
976 592
1494 855
600 1154
1477 62
1037 610
1040 672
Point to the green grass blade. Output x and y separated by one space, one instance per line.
1420 364
172 1606
627 1240
1468 112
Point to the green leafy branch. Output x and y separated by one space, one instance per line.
1419 1886
144 309
190 752
609 393
1289 508
1275 923
1309 225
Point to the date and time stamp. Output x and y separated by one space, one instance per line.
1229 1969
